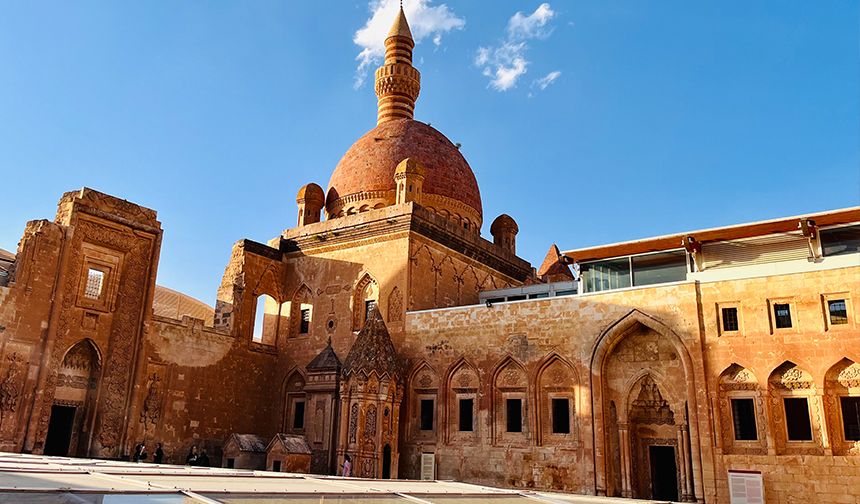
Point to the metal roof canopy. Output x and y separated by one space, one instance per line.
38 479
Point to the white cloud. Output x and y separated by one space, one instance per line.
521 26
425 20
546 80
505 63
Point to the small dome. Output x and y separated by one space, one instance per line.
409 166
504 223
367 169
311 193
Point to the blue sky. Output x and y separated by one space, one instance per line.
664 116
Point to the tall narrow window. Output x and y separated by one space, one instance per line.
95 281
427 414
782 315
730 319
743 418
276 466
369 306
466 410
797 419
299 415
560 416
851 417
305 321
837 311
514 415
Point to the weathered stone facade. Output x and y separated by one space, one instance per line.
363 335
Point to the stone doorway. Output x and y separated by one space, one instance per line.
664 472
60 430
386 462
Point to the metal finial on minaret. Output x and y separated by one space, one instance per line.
397 81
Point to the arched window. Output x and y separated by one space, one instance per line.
842 396
556 402
463 385
269 319
510 411
423 392
741 411
301 312
794 409
294 411
364 300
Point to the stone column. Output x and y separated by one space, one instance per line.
624 440
688 491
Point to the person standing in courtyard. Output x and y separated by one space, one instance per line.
347 466
191 459
158 456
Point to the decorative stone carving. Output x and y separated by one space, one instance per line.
353 422
395 306
151 411
649 407
10 387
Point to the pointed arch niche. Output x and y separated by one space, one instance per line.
643 386
795 410
462 386
556 401
365 298
510 403
301 312
423 403
73 410
294 403
842 404
741 412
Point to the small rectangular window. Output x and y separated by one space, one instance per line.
851 417
560 416
276 466
231 463
95 280
730 319
427 414
305 321
466 410
369 306
515 415
782 315
299 415
797 419
837 311
743 418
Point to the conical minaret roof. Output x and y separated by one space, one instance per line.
373 350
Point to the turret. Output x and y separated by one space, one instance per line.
310 199
397 81
409 178
504 230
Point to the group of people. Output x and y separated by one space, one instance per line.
140 454
197 458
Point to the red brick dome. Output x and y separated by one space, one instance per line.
366 171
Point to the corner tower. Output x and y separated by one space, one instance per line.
397 81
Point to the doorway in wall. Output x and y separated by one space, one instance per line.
60 430
386 462
664 473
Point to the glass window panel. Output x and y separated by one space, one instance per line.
730 319
844 240
797 419
782 315
851 417
838 311
605 275
743 417
659 268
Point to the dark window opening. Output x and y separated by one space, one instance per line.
276 466
369 306
797 419
561 416
664 267
782 315
743 417
299 415
843 240
515 415
518 297
730 319
231 463
838 312
466 411
426 414
851 417
305 321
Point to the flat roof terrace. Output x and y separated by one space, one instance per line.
39 479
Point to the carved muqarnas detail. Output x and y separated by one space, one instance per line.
650 407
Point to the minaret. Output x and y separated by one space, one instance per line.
397 81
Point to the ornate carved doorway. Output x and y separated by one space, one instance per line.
72 412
